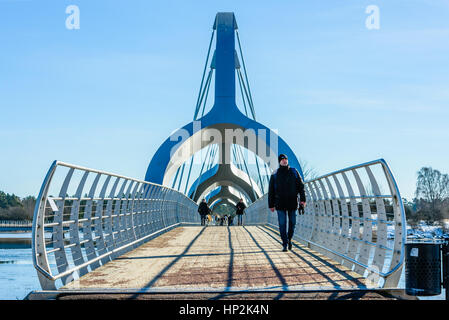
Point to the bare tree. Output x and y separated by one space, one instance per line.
432 186
28 205
432 192
308 171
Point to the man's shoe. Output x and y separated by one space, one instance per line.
284 249
289 244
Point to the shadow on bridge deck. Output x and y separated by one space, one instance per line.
217 262
225 258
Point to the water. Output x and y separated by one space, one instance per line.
17 274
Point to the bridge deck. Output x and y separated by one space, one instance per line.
217 257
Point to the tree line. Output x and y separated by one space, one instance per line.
13 207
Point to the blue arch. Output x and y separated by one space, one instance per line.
224 111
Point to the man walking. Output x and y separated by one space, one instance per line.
285 184
230 220
203 210
240 207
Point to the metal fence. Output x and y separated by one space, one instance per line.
355 216
15 223
95 216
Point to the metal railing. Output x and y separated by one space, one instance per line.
348 217
106 216
15 223
352 220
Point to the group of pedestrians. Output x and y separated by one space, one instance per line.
225 220
284 187
205 212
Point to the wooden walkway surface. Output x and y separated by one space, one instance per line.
220 258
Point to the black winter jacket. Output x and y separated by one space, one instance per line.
283 190
203 209
240 207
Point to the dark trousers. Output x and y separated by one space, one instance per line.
282 219
203 219
239 219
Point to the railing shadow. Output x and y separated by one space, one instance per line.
229 277
275 269
230 268
356 281
171 264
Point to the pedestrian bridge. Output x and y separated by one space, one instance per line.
96 232
127 234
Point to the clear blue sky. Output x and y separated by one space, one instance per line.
107 95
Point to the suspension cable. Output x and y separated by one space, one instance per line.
188 175
244 69
204 72
267 173
233 155
201 171
237 162
207 90
241 91
209 76
247 171
247 96
176 177
258 172
180 177
212 156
